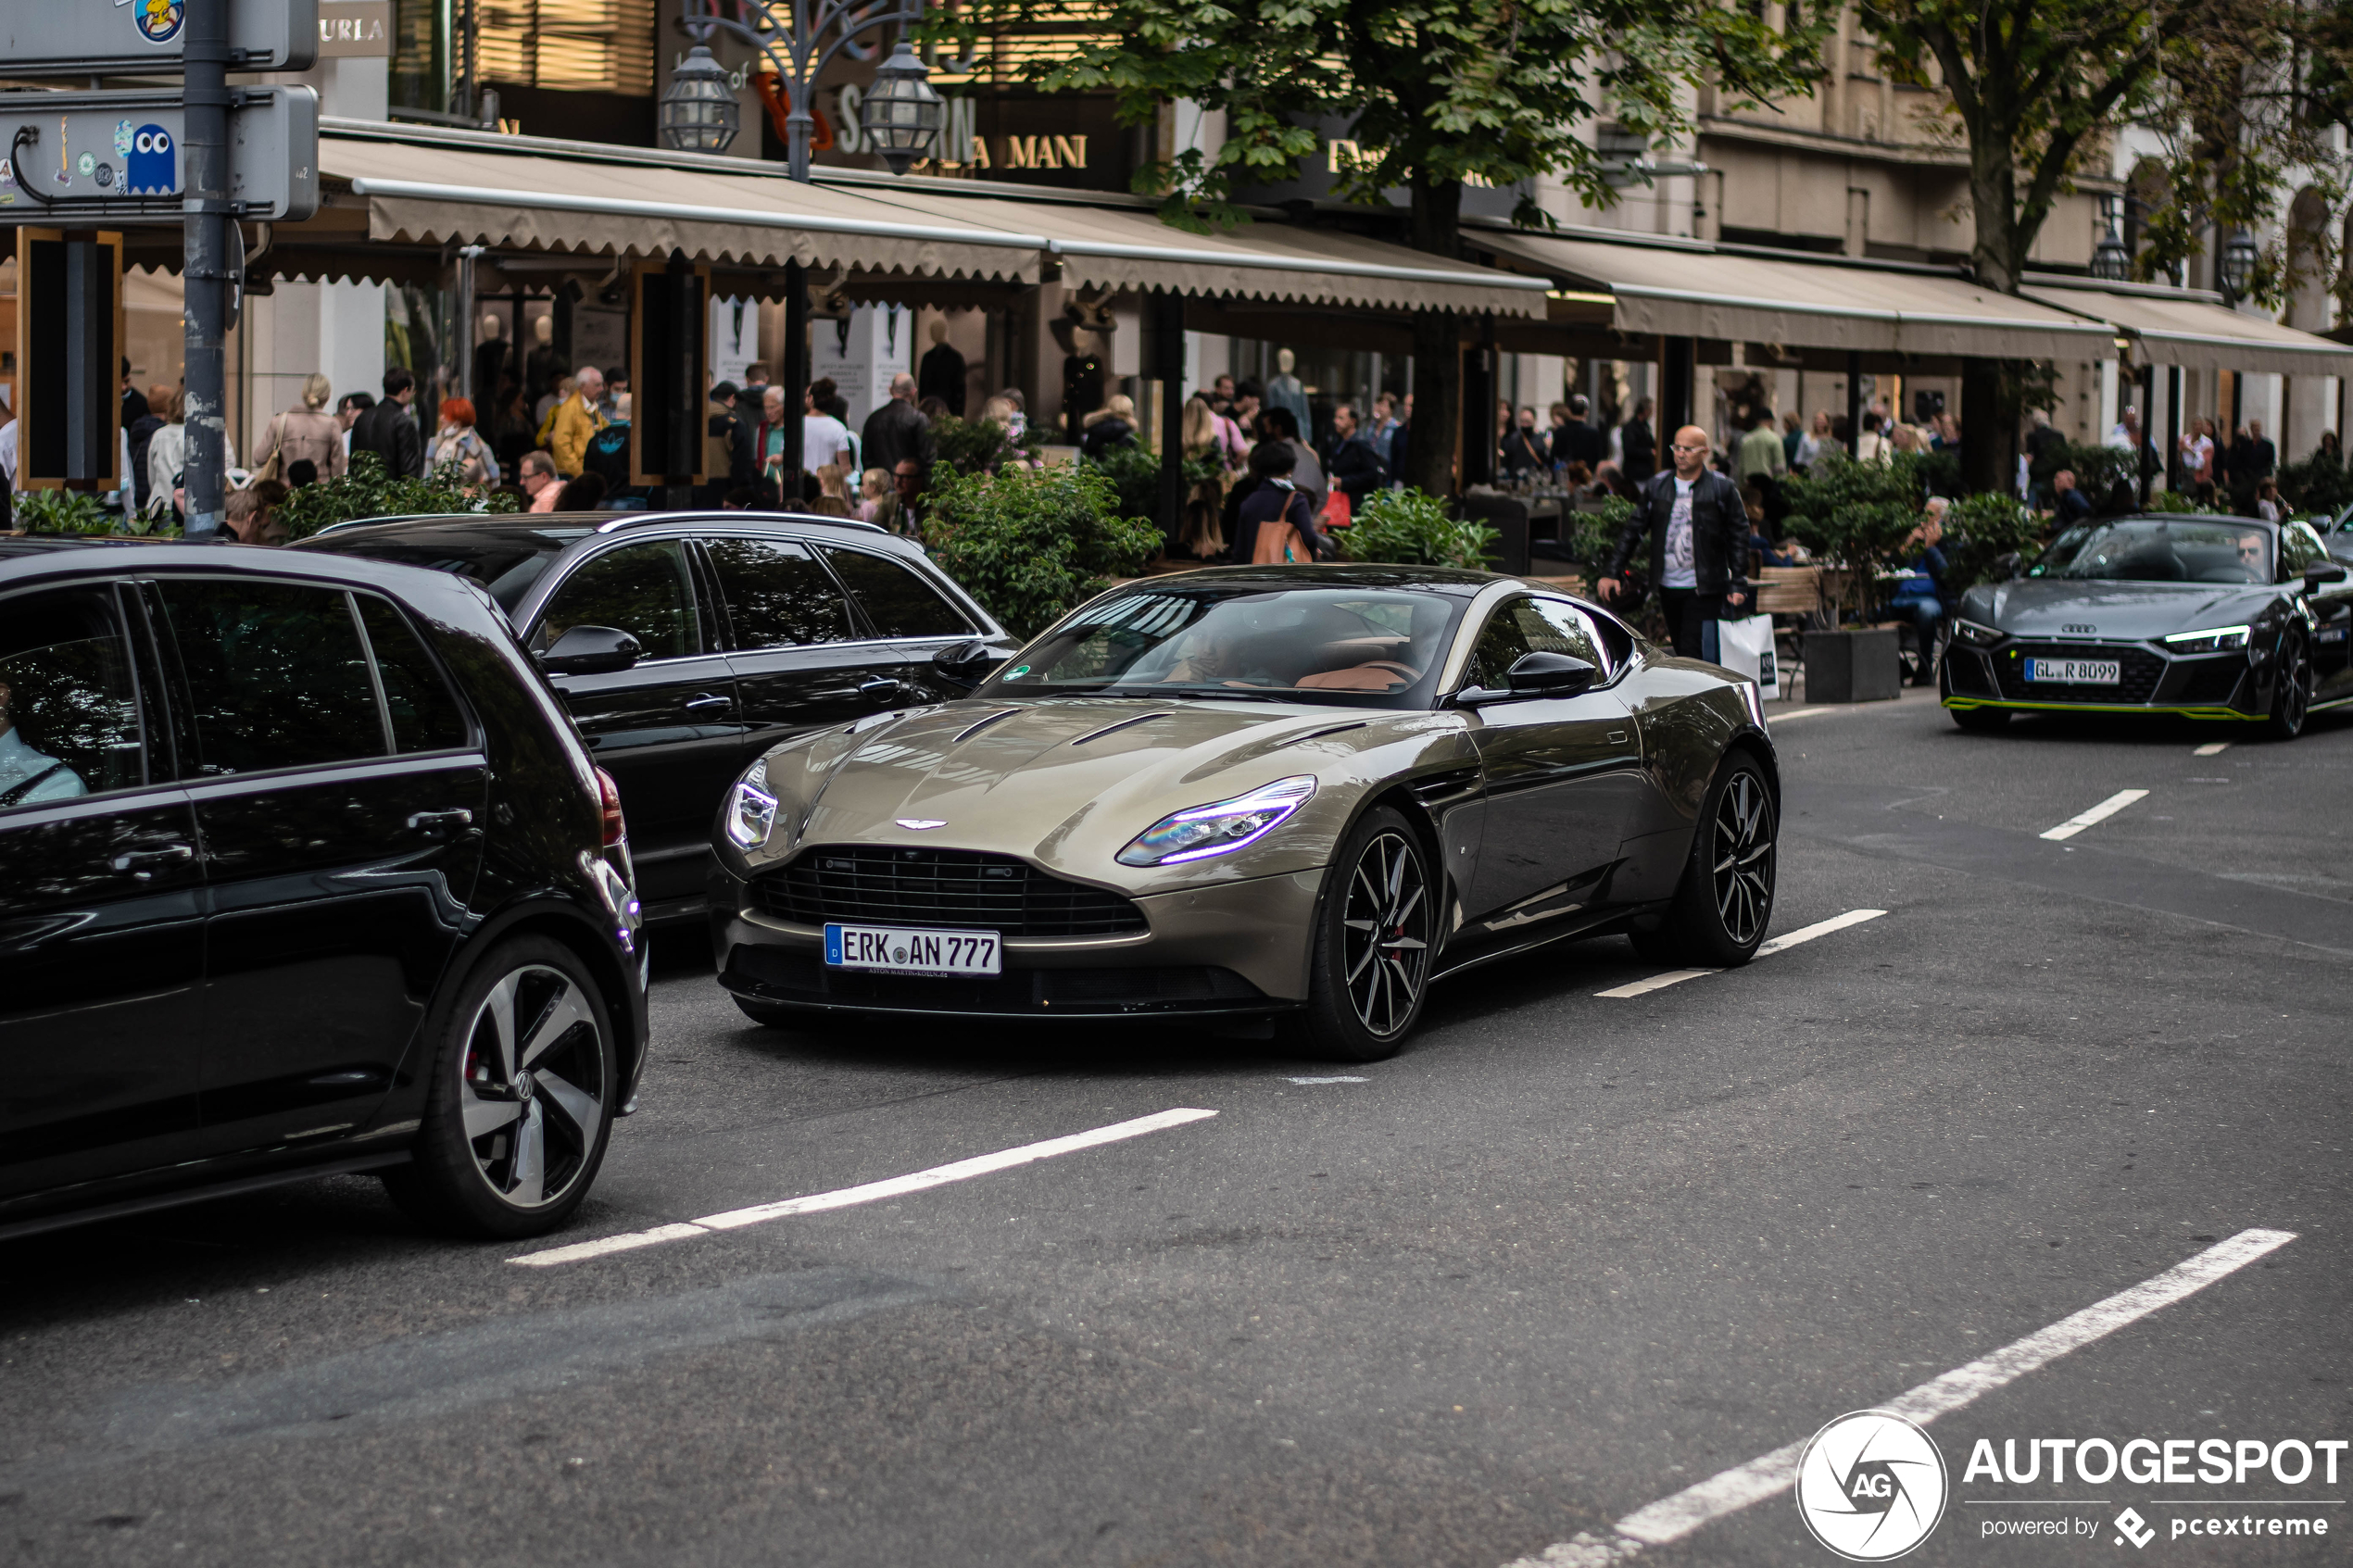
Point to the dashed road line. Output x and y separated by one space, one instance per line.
871 1192
2097 814
2212 748
1338 1079
1774 718
1672 1518
1777 944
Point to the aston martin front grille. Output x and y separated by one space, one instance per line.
2141 670
886 884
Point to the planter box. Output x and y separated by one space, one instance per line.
1853 666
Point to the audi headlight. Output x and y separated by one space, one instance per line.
1219 826
2214 639
1971 633
751 811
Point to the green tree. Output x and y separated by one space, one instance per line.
1437 93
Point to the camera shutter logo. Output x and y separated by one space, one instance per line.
1871 1485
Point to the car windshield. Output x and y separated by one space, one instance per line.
506 561
2147 550
1350 646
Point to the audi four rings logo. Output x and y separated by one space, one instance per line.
2079 630
1870 1486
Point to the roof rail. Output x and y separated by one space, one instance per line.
637 520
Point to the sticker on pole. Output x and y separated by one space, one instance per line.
158 22
1871 1485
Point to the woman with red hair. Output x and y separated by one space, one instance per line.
457 442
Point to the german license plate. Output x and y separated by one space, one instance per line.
898 950
2076 672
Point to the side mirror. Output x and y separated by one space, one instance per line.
1550 674
2008 567
591 651
2321 571
966 662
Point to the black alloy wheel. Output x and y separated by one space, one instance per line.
1370 966
1724 903
521 1100
2291 687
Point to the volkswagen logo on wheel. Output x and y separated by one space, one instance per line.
1870 1486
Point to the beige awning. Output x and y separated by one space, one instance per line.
428 193
2196 331
1693 289
1120 250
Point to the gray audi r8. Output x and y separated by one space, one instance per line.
2206 617
1301 790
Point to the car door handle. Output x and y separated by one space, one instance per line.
168 855
877 685
435 822
709 703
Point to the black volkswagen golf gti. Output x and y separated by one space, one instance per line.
302 869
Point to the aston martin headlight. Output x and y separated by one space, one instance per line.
1219 826
2214 639
751 811
1971 633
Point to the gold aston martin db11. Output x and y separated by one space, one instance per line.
1299 790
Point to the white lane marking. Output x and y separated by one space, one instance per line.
1778 944
1672 1518
1656 982
871 1192
2097 814
1773 718
1819 928
1342 1080
2212 748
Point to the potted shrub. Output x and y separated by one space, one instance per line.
366 490
1412 528
1856 518
1032 545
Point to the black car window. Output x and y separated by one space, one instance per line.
1565 629
69 703
900 603
777 594
1500 646
425 716
645 589
277 677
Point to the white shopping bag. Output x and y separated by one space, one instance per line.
1746 647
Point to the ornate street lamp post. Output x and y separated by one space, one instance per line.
901 114
2237 268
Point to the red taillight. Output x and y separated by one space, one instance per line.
609 804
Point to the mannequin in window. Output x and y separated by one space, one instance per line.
543 366
1082 376
1284 391
941 374
494 361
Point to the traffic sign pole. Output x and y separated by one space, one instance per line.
206 214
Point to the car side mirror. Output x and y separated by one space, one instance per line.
591 651
2321 571
1550 674
966 662
2007 566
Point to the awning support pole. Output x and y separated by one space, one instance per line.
2174 475
1854 403
2148 407
795 376
1167 337
1677 372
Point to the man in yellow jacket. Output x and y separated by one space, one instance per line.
576 422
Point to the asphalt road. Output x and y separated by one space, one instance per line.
1565 1257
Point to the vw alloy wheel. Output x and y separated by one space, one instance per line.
1743 861
532 1090
1387 943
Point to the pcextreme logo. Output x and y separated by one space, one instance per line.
1871 1485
